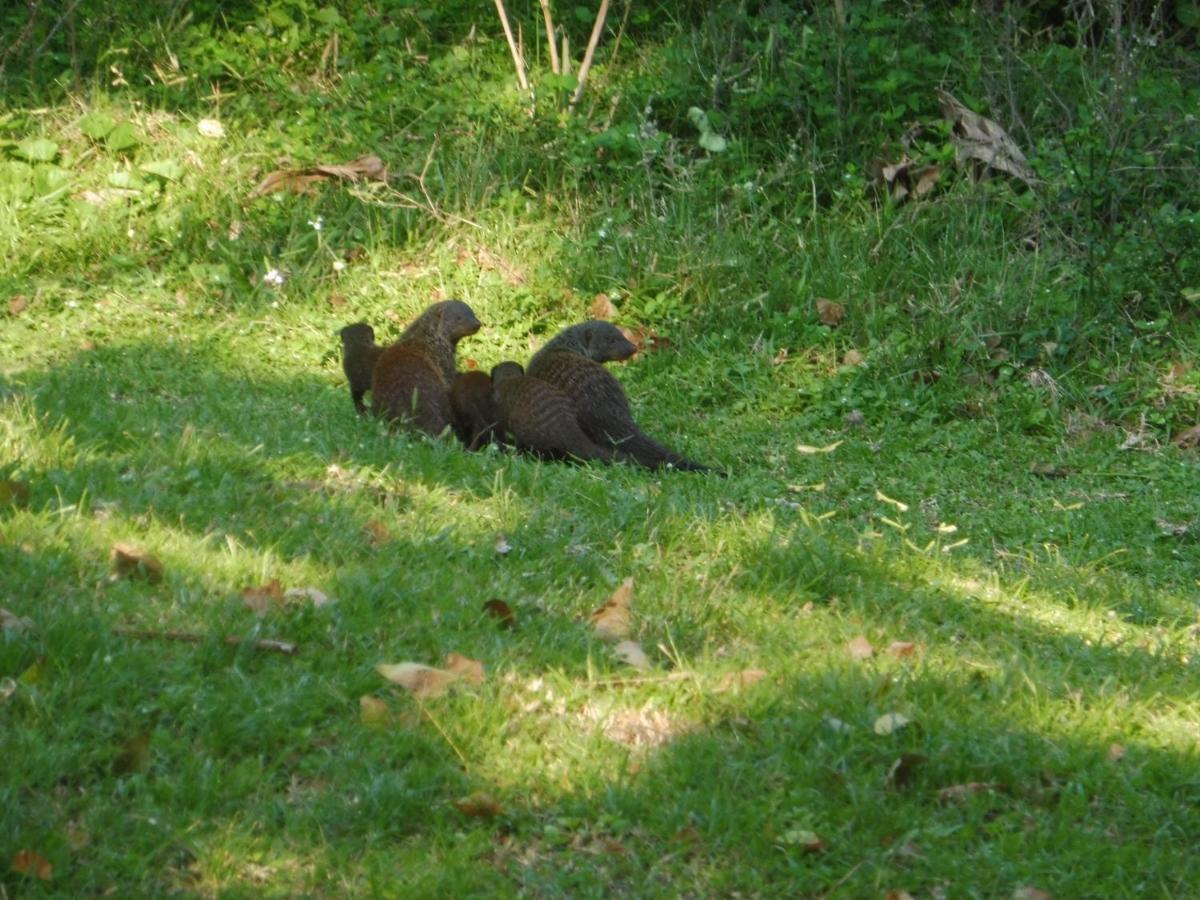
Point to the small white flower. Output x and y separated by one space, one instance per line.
316 223
338 265
274 277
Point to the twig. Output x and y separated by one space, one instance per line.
550 36
189 637
442 732
518 62
57 25
597 29
612 60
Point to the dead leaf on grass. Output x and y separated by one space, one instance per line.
603 308
14 493
365 168
860 648
897 895
33 864
612 620
318 598
961 793
469 670
853 358
645 339
810 450
808 841
17 304
981 141
377 533
902 649
632 654
1186 440
10 621
129 561
260 599
419 680
829 312
501 612
373 712
889 723
8 687
479 805
736 680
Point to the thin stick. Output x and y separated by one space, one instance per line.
550 36
518 62
612 61
189 637
597 29
566 55
442 732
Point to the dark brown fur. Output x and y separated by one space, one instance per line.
411 380
476 415
359 355
571 362
540 419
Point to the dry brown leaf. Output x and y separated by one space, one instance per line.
129 561
336 300
961 793
860 648
978 138
134 755
469 670
17 304
502 612
1116 753
902 649
318 598
421 681
480 805
1186 440
603 308
853 358
903 769
1031 893
14 493
10 621
612 620
373 712
260 599
632 654
830 313
780 358
890 723
377 533
27 862
733 680
924 179
366 168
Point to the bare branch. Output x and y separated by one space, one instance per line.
597 29
518 61
554 66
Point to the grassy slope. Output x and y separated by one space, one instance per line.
152 393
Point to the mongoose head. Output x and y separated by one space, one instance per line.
506 370
457 319
599 341
358 333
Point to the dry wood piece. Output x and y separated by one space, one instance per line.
189 637
365 168
978 138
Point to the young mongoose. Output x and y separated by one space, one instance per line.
540 419
571 362
476 416
411 380
359 354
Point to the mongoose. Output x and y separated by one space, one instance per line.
476 416
411 380
571 362
540 419
359 354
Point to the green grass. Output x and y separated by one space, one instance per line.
154 390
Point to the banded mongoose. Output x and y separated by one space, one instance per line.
359 354
411 380
540 419
476 416
571 362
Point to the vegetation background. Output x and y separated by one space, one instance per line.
934 636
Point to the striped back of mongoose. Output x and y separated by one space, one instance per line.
476 416
540 419
359 355
571 362
411 380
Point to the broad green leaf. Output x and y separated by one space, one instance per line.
713 143
122 137
97 125
164 168
37 150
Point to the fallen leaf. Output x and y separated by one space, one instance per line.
210 128
420 681
318 598
890 723
808 449
27 862
978 138
903 769
924 179
469 670
502 612
366 168
134 755
259 599
645 339
897 895
612 620
17 304
10 621
603 308
860 648
780 358
853 358
77 837
1031 893
502 545
336 300
632 654
8 687
961 793
377 533
884 498
479 805
1186 440
902 649
373 712
745 678
129 561
806 840
830 313
1116 753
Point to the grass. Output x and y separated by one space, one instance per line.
155 390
